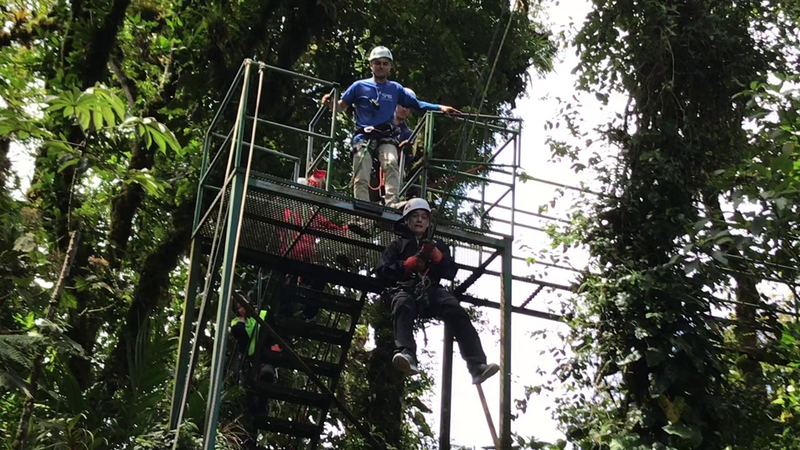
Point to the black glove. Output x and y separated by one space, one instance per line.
358 231
343 261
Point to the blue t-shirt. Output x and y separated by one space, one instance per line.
374 103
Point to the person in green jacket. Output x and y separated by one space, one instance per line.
245 330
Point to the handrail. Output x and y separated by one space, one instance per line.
227 97
298 75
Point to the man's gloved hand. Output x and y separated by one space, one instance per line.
429 252
414 264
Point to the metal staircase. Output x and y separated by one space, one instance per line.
325 353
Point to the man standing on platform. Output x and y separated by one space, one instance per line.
376 135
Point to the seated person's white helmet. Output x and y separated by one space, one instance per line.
415 204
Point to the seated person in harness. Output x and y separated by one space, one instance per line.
411 268
376 136
245 330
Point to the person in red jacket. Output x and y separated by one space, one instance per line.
305 247
410 260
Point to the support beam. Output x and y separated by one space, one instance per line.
515 309
447 389
505 349
184 345
476 274
532 296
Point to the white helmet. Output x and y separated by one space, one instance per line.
415 204
302 181
380 52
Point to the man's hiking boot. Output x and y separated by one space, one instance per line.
405 363
482 372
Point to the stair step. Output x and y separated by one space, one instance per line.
324 300
322 368
286 394
312 331
283 426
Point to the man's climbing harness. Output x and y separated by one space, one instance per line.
374 136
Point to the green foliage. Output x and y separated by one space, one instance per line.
651 362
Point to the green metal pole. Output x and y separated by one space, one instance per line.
447 390
423 190
334 106
505 347
203 167
517 145
226 281
184 346
221 330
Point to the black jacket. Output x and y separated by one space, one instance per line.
390 268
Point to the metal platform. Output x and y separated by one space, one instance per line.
266 233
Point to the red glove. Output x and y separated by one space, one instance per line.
429 252
436 256
414 264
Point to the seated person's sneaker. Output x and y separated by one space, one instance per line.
482 372
405 363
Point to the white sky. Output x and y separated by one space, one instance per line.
529 353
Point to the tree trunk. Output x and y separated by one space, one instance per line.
384 409
152 287
747 297
36 369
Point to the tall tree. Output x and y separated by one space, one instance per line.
645 330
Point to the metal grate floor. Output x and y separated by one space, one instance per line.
311 226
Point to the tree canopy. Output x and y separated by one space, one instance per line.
112 100
683 334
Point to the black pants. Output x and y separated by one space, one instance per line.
256 405
309 312
442 305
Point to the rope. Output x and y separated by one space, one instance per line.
381 181
211 263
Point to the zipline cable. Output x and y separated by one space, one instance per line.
461 149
